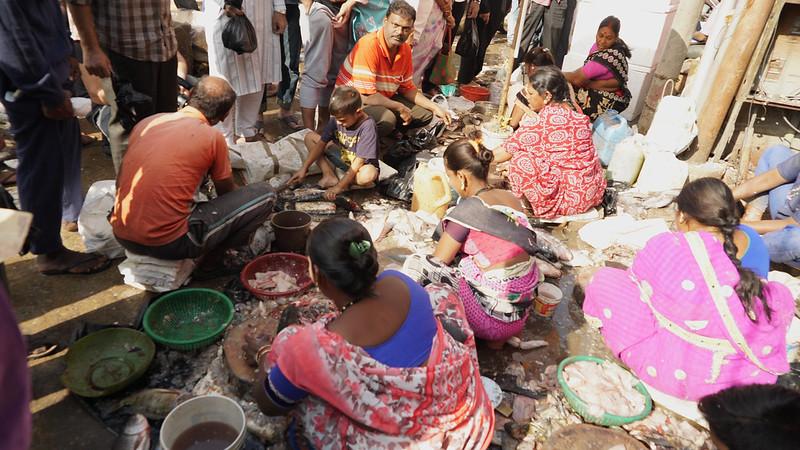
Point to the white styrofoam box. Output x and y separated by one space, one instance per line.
645 26
639 79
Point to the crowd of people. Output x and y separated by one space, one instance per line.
397 365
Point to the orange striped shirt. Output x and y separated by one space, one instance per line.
369 68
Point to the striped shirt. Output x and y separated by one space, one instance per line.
136 29
369 68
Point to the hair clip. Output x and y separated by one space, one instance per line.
357 249
476 144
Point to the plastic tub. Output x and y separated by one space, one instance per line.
547 300
291 231
474 92
208 408
291 263
494 139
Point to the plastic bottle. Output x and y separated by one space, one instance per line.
627 160
609 130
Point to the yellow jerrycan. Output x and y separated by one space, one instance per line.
431 191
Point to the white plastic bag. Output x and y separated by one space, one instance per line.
674 125
661 172
263 160
93 223
155 275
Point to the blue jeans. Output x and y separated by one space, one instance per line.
783 245
290 50
48 176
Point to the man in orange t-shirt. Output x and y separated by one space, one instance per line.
168 157
379 67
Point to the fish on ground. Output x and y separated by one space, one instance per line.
135 435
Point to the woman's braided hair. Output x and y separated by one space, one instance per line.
710 202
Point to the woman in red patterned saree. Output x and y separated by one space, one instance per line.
554 164
395 368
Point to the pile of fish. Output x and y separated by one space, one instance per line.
274 281
605 388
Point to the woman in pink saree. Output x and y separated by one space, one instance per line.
687 318
396 368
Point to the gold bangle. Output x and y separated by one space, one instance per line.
262 351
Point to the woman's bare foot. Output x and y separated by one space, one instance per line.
327 182
66 261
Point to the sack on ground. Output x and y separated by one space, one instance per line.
239 35
93 225
155 275
261 161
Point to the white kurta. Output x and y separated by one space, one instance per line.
249 72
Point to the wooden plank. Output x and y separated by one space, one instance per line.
753 69
747 145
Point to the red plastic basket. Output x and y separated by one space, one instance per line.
474 92
291 263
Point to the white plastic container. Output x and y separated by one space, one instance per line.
627 160
208 408
492 139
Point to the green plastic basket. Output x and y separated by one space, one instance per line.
580 407
188 319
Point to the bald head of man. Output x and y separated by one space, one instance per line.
214 97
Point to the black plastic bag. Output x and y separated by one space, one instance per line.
132 105
187 4
400 186
469 42
239 35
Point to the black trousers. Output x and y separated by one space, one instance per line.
388 121
546 26
159 80
46 148
472 65
224 222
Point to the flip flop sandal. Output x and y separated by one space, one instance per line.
87 140
292 123
72 269
42 351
